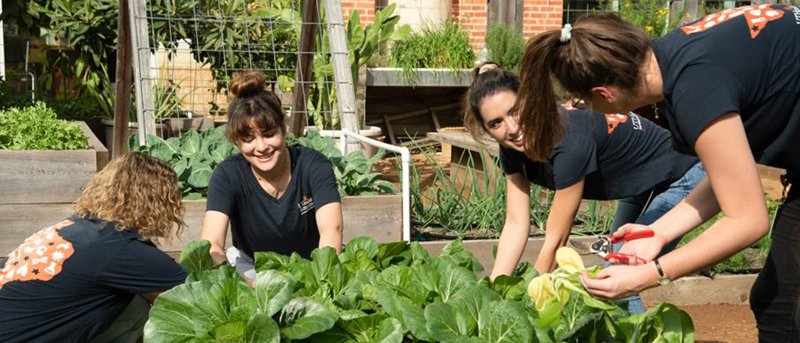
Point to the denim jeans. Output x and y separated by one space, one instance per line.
632 210
775 295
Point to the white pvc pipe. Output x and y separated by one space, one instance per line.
405 158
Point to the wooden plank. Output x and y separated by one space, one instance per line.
44 176
379 216
342 74
482 250
305 63
124 72
464 140
21 221
95 144
140 50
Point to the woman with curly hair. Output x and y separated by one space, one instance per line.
274 197
729 87
90 277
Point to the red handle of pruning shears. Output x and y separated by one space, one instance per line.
632 236
622 258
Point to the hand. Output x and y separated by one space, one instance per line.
643 249
618 281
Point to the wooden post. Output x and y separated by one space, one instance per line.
122 104
140 50
305 65
342 74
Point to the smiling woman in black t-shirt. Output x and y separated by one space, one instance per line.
275 197
602 156
729 87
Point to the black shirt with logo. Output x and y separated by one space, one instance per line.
70 281
260 222
741 60
619 155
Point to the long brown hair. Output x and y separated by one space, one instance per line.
485 84
601 49
136 192
252 103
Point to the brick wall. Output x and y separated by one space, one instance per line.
537 16
366 9
541 15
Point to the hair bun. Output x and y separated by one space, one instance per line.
247 84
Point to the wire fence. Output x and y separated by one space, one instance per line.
687 10
196 47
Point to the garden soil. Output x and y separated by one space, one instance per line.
723 323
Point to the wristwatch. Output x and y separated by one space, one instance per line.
663 279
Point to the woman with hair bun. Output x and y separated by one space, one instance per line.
601 157
729 87
274 197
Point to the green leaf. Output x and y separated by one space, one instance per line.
303 317
365 243
504 321
266 260
195 256
447 323
200 175
273 290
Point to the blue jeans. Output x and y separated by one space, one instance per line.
661 200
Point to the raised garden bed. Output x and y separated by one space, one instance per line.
379 217
39 186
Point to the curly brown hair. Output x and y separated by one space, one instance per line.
135 192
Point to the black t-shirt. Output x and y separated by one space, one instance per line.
68 282
619 155
743 60
259 222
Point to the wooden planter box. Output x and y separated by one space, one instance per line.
482 249
39 187
379 217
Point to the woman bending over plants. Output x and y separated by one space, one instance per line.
275 197
729 86
90 277
601 156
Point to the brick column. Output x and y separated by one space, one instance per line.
541 15
366 9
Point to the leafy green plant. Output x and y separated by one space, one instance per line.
505 46
457 205
36 128
444 47
362 45
193 156
354 174
89 26
166 100
651 15
395 292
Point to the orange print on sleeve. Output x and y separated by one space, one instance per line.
40 257
757 17
612 120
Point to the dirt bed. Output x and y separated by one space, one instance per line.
723 323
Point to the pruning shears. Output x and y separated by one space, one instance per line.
604 246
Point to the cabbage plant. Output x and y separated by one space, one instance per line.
395 292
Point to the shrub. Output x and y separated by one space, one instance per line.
443 47
505 46
35 127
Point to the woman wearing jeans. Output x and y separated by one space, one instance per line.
601 157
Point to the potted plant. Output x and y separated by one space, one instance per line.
46 162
